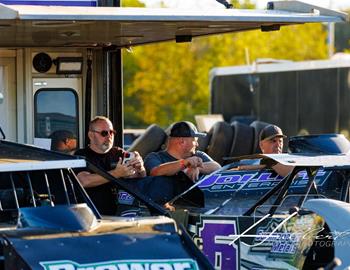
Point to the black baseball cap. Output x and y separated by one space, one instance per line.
61 135
185 129
271 131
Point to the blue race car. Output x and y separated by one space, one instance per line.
47 221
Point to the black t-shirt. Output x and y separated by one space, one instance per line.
103 196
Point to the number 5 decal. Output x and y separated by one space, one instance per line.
217 244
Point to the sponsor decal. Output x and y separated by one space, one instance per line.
285 242
175 264
230 181
213 237
125 198
281 242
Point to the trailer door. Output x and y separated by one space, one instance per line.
8 109
56 106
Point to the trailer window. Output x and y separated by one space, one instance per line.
55 109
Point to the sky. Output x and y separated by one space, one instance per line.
209 4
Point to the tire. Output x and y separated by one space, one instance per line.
257 127
243 139
220 142
150 141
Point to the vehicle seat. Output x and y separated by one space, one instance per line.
243 139
219 147
150 141
203 143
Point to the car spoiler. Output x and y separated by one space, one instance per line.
301 160
19 157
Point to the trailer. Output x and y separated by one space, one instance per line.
60 65
307 97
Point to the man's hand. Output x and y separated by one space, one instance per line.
193 162
137 164
192 173
132 169
169 207
123 170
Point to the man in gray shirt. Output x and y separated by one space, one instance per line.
181 154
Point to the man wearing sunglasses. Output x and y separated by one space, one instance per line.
102 153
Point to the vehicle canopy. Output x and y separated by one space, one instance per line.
53 26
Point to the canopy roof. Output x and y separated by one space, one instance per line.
55 26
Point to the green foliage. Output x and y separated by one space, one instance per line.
132 3
243 4
130 70
167 82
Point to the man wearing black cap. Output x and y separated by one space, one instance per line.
181 154
271 140
63 141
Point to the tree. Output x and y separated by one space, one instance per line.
170 81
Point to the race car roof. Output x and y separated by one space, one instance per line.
19 157
53 26
326 161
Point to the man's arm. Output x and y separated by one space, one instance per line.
168 169
282 170
190 166
209 167
155 167
88 179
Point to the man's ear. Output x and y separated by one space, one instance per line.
261 145
90 135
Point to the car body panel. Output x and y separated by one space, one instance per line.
234 191
337 216
47 221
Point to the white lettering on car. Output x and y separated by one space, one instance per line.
174 264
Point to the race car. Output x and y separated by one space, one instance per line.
247 216
242 217
254 218
47 221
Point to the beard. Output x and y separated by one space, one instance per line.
106 146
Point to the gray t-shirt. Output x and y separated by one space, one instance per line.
154 159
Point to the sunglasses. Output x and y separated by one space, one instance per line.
105 133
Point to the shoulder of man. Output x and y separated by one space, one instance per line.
154 155
204 156
80 152
117 149
154 159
